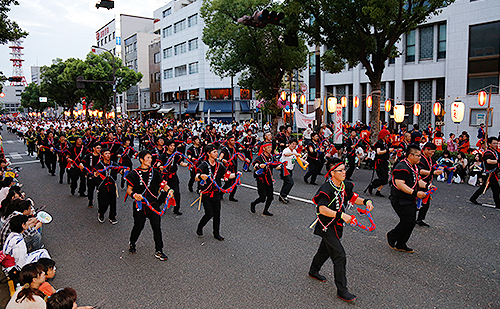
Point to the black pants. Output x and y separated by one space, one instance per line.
211 205
139 221
406 211
41 156
494 187
314 170
351 164
106 198
265 194
129 165
92 183
75 174
382 170
62 169
192 175
228 184
50 161
331 247
423 210
31 148
287 183
177 196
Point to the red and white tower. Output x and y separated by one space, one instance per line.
18 78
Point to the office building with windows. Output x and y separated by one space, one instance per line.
186 79
107 38
12 99
451 56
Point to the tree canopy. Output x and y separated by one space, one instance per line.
30 98
362 31
260 55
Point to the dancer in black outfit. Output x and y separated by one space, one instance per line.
382 150
491 167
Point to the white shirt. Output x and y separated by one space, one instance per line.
288 156
307 133
327 132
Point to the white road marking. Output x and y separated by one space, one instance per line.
15 155
277 193
26 162
488 205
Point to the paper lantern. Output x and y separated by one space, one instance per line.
416 109
436 109
387 105
356 102
481 98
303 99
100 114
332 105
457 111
399 113
343 101
294 97
283 96
369 101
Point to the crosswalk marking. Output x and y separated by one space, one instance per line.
15 155
276 193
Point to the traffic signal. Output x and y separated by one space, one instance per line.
109 4
16 79
260 19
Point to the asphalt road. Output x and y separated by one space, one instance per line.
263 262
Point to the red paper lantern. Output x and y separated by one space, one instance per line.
416 109
343 101
481 98
387 105
369 101
356 102
437 109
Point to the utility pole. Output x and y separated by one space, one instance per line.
232 99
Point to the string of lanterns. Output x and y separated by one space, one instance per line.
92 113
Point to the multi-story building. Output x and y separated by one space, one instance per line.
36 75
451 56
12 99
187 82
154 77
107 38
137 59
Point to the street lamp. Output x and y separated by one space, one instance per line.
114 76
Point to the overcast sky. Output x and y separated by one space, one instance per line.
62 29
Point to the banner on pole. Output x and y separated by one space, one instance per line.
337 137
303 120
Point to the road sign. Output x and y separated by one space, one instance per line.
303 87
42 99
2 95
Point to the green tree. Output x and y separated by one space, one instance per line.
260 55
59 81
9 30
100 68
30 98
362 31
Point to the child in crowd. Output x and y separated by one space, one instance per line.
49 267
448 162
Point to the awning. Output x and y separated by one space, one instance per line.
245 106
217 106
165 110
192 108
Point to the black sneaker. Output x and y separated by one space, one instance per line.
218 237
421 223
379 194
348 297
283 200
131 248
405 249
475 202
161 256
100 219
232 199
113 221
370 189
252 207
199 233
267 213
305 180
178 213
317 276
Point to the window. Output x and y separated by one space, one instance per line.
167 31
218 94
97 43
245 94
312 64
135 64
180 71
426 40
168 73
157 77
113 35
167 52
442 41
193 68
312 94
193 44
409 99
192 20
478 116
180 48
179 26
410 46
114 51
484 56
135 46
167 12
129 64
157 58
